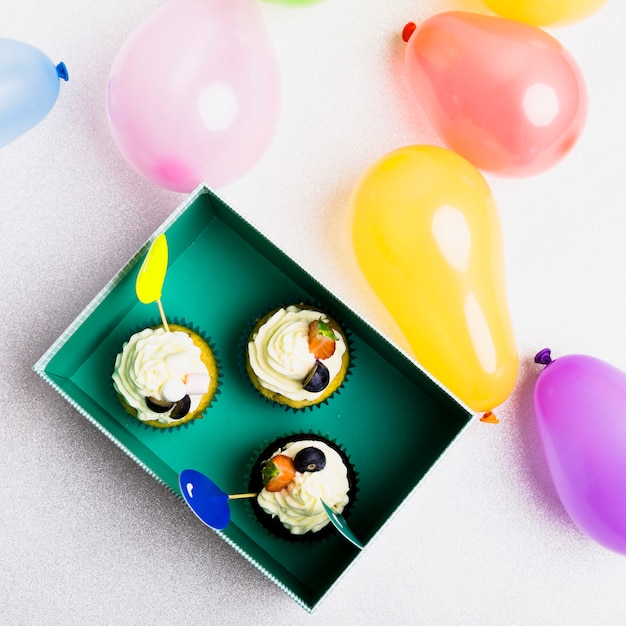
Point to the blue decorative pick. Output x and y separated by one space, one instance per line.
211 504
340 524
206 499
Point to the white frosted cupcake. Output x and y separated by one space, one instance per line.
166 378
292 476
297 356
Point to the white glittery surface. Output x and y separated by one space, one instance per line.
86 536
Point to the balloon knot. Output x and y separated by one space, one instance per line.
408 30
543 357
489 418
62 71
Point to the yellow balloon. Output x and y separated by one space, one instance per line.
427 237
546 12
152 272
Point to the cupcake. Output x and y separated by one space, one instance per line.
297 356
165 378
292 476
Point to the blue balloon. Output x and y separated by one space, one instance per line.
29 86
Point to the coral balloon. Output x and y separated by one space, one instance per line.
193 94
546 12
505 95
426 234
29 84
580 406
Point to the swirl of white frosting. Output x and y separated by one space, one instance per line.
148 360
279 352
299 505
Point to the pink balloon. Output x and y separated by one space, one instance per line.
194 93
505 95
580 406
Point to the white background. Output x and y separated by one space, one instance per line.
88 537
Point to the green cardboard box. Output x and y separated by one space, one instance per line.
222 273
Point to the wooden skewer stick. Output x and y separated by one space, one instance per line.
238 496
162 312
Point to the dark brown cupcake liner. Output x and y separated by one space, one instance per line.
273 525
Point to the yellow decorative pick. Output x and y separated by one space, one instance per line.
152 275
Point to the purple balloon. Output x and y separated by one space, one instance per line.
580 406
